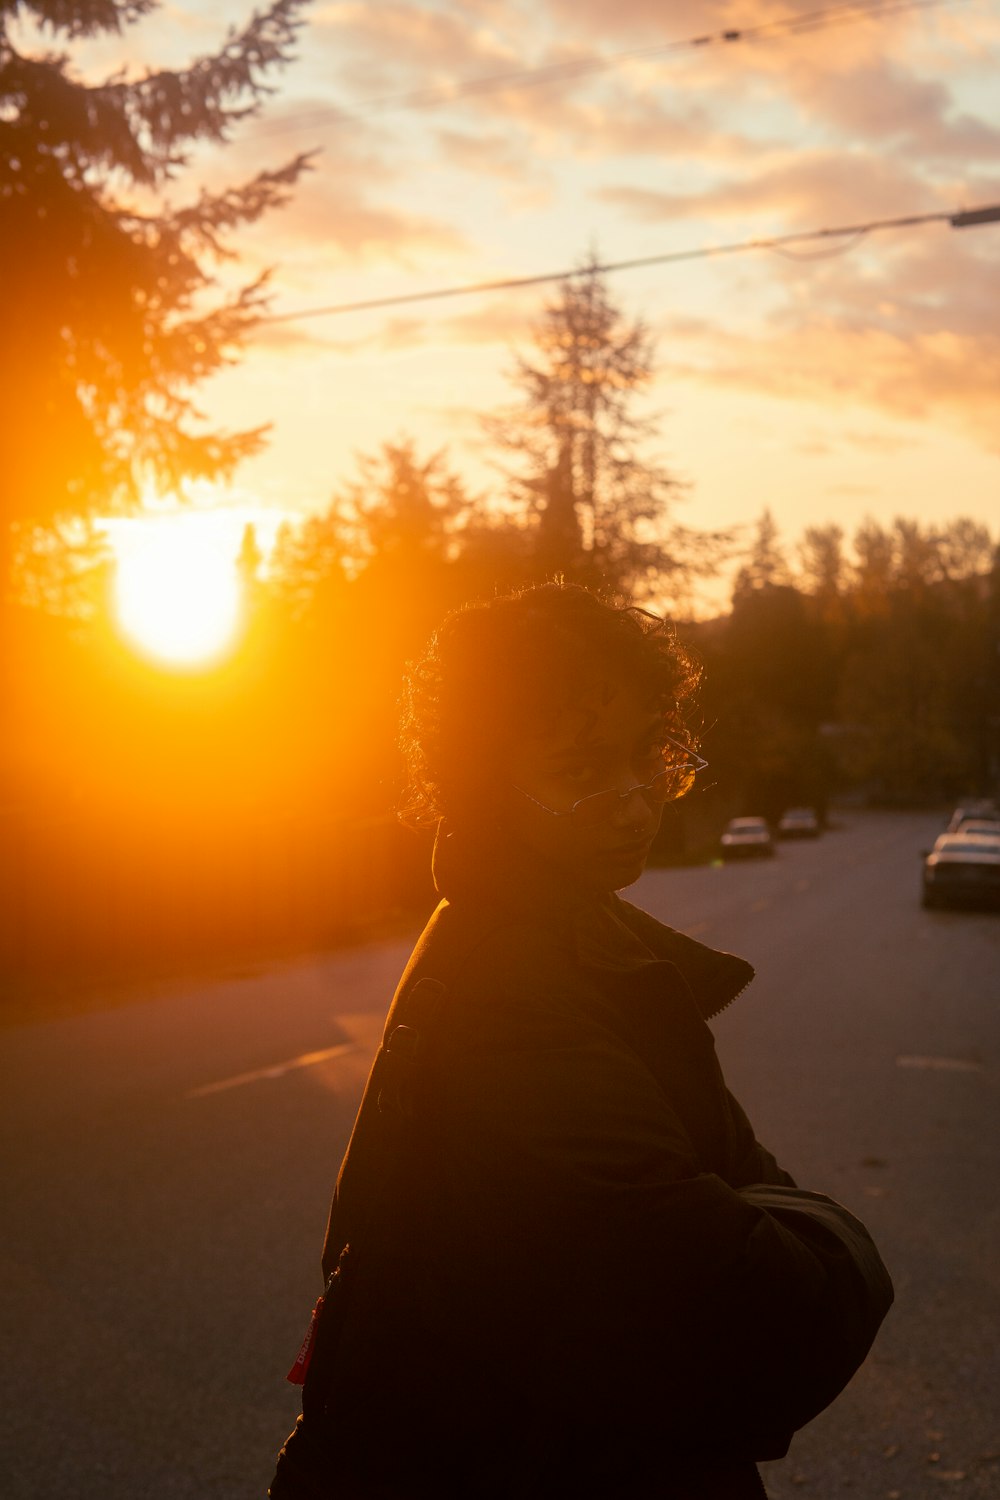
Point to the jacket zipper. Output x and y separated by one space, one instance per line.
711 1014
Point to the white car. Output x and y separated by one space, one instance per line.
979 827
983 808
746 838
798 823
963 869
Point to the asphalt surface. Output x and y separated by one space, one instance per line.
167 1167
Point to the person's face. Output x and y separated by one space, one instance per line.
609 740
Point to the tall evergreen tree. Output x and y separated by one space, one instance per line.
109 311
875 568
402 508
823 569
576 446
766 565
964 549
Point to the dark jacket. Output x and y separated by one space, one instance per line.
570 1266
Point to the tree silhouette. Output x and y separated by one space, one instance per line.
874 571
399 518
963 549
917 675
108 304
823 567
600 511
64 568
401 508
766 565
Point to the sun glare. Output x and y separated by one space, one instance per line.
177 594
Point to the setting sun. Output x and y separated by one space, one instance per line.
177 597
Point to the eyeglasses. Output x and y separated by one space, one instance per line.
666 786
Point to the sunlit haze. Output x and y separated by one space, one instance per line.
828 387
177 600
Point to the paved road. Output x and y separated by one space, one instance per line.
167 1168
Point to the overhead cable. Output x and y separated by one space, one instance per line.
427 98
960 219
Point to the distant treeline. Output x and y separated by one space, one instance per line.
150 816
871 673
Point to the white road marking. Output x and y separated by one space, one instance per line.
275 1070
940 1064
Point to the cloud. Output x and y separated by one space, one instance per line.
928 285
876 442
445 73
292 339
607 117
944 376
428 179
867 81
851 491
529 183
800 190
499 154
338 220
939 280
881 102
649 20
504 323
399 46
323 336
387 332
350 211
307 122
626 124
843 37
812 447
903 322
857 83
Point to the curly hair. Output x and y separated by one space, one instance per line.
494 671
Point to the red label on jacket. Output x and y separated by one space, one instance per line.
297 1374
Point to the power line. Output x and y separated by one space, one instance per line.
427 98
961 219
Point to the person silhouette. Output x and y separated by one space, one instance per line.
558 1260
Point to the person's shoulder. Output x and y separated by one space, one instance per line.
465 937
499 968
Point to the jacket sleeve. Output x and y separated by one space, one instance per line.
847 1293
622 1274
750 1162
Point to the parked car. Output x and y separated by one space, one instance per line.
962 869
746 838
979 827
983 808
798 823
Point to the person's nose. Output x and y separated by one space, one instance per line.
633 809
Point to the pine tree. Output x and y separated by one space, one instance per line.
766 566
109 311
821 553
402 508
599 509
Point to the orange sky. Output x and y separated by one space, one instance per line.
861 383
